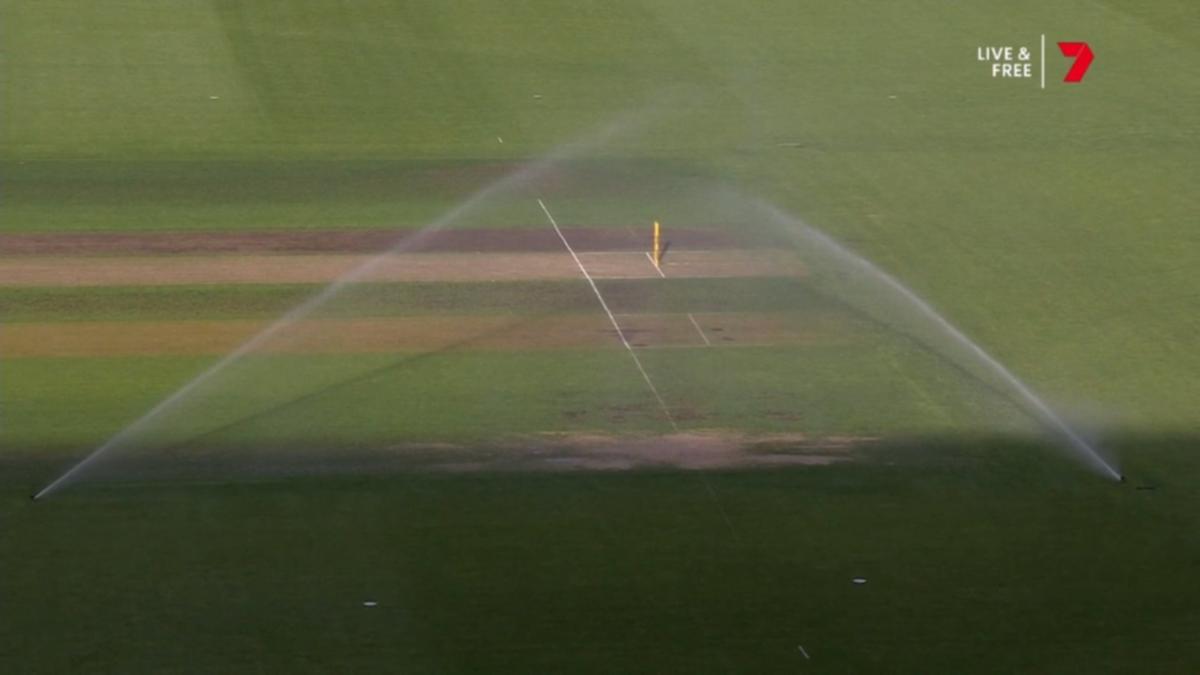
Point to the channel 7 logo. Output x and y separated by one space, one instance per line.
1083 59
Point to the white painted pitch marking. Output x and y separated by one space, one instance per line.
804 652
1043 60
620 333
699 330
655 265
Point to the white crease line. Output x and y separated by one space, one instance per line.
699 330
656 267
620 333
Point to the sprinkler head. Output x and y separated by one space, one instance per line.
33 498
1121 478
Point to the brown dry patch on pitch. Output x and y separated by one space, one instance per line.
748 328
701 264
160 338
700 450
659 330
267 269
283 269
696 450
531 239
398 334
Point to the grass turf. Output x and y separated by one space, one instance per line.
766 294
1054 226
377 401
1034 568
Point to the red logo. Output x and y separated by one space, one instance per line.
1083 59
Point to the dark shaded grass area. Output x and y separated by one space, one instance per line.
183 181
970 547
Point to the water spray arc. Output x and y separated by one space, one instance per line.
830 250
515 179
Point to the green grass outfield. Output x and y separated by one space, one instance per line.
996 562
518 298
1057 227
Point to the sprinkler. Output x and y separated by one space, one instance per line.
525 175
848 264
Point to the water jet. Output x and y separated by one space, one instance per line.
851 268
521 176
